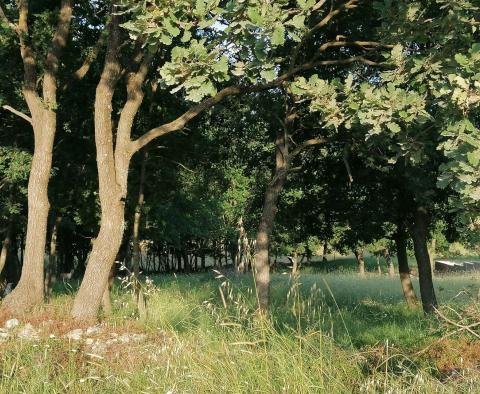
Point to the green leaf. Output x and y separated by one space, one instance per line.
474 157
278 36
394 127
461 59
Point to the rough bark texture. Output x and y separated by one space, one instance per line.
262 267
419 236
30 289
112 165
404 270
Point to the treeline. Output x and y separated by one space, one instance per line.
232 131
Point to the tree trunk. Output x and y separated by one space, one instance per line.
419 236
379 269
5 247
262 268
360 261
404 270
30 289
433 251
102 257
137 218
391 267
51 274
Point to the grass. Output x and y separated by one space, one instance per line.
332 332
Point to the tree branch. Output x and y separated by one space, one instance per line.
336 44
4 18
194 111
59 42
334 12
18 113
307 144
347 165
29 61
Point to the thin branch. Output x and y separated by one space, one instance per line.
336 44
18 113
307 144
59 42
4 18
347 165
80 73
319 5
334 12
29 61
460 326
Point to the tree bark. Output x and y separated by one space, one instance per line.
30 289
274 188
419 236
404 270
112 166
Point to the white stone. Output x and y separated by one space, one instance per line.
12 323
28 332
94 330
75 335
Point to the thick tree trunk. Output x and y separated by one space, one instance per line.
404 270
102 257
30 289
419 236
5 247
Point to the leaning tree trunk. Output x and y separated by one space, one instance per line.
419 236
404 269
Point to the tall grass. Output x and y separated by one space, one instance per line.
333 333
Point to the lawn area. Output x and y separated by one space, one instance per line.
331 332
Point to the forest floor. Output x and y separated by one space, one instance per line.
331 332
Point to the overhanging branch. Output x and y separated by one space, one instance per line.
194 111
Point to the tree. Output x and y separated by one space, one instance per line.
43 119
194 66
